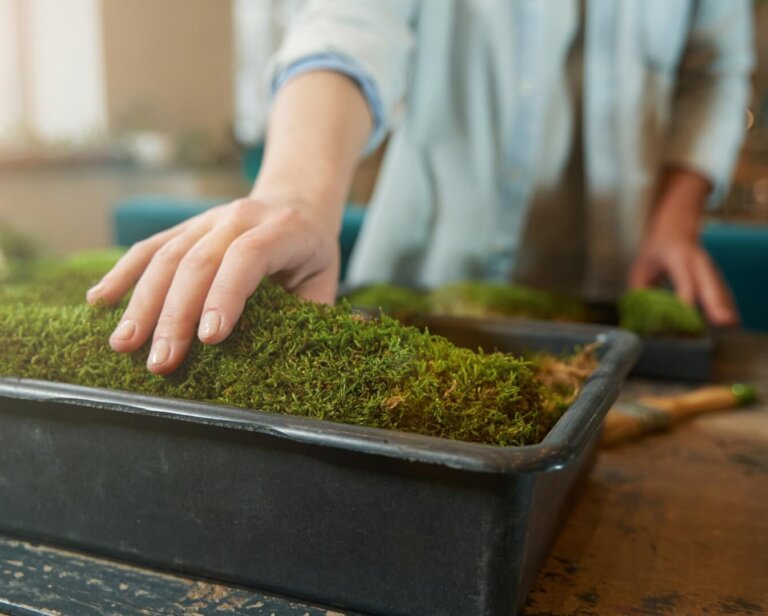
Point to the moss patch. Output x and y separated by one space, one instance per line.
471 298
479 298
396 301
654 312
17 246
648 312
286 356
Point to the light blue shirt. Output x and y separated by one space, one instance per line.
477 97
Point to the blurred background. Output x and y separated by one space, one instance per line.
118 117
103 100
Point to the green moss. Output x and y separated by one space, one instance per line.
396 301
15 250
479 298
471 298
653 312
57 281
286 356
17 246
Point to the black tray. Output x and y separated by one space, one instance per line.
372 520
674 358
677 358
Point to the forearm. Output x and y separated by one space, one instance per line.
319 125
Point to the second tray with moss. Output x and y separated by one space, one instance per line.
677 344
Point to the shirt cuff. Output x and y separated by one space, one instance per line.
343 65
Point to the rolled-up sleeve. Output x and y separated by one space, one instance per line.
369 41
709 111
344 66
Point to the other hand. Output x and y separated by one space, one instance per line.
671 249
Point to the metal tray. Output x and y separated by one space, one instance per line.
372 520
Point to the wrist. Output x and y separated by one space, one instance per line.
679 209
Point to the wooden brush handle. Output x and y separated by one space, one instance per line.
653 413
703 400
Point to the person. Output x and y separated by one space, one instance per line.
572 146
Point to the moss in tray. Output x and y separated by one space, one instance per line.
657 312
648 312
481 298
290 356
470 298
396 301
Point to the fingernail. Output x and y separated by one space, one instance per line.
161 350
125 330
94 292
211 324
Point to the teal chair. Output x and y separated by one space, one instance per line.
741 253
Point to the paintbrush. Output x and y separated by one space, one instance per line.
629 420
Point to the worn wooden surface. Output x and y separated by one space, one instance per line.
38 580
674 524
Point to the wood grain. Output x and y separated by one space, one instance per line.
36 580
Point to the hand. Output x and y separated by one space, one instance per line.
671 249
203 271
199 274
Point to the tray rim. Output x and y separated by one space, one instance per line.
563 443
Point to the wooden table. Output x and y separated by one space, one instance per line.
675 524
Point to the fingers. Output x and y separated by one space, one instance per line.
118 281
695 279
240 273
680 273
245 264
185 297
148 297
321 288
203 271
712 292
280 245
643 273
647 271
